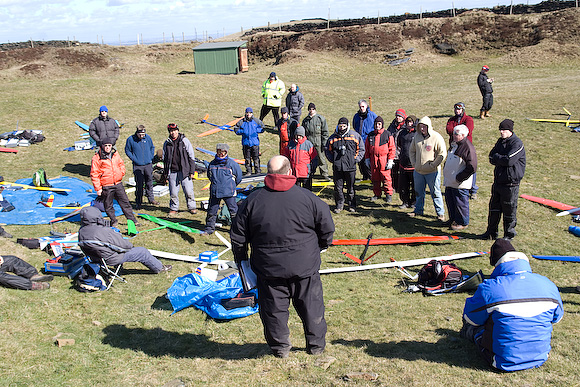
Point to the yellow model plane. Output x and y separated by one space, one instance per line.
567 122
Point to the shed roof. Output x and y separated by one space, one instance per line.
219 45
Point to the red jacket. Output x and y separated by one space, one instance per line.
380 148
302 157
454 121
106 171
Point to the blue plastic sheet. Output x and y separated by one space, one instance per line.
205 294
28 210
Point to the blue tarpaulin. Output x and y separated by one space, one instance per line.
206 295
28 210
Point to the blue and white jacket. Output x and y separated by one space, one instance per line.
224 174
249 130
364 126
517 309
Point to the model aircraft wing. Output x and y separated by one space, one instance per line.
84 127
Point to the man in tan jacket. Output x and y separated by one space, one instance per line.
427 153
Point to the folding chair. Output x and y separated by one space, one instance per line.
110 271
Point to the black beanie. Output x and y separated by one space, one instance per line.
311 106
498 249
379 119
507 124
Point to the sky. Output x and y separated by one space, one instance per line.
114 21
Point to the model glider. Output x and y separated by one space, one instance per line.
9 150
548 203
212 153
405 272
218 128
49 202
169 224
573 211
565 258
567 122
84 127
414 262
393 241
362 258
24 186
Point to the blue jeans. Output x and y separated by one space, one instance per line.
175 180
433 180
457 200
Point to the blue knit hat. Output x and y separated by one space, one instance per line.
103 109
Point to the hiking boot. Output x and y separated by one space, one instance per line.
172 214
281 353
138 206
441 218
166 268
487 113
41 278
374 199
5 234
482 114
473 196
248 173
404 206
40 286
449 223
351 209
337 210
154 202
487 236
413 214
458 227
315 351
194 211
388 198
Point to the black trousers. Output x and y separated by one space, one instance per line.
113 192
252 153
274 296
266 109
365 171
487 102
503 201
22 272
407 187
340 179
304 182
144 178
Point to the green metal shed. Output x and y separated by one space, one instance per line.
221 57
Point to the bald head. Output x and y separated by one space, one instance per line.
279 165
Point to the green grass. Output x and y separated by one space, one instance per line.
126 336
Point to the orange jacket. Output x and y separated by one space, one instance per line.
106 171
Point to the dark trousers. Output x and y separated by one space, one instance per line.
457 200
504 200
22 272
340 179
406 187
395 176
364 169
113 192
487 102
266 109
304 182
214 207
143 177
321 161
274 299
252 153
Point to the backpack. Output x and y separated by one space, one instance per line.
224 217
89 280
439 275
39 178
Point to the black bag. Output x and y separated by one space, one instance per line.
439 275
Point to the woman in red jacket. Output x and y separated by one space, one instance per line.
379 154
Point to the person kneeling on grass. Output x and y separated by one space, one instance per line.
25 276
224 175
510 316
100 242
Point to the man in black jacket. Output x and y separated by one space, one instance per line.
509 157
104 126
486 91
287 226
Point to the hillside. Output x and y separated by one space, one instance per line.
528 39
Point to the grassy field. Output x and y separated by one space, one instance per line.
126 336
